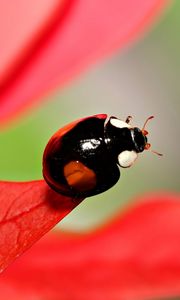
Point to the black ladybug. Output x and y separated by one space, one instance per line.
82 159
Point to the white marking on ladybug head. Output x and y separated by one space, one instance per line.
119 123
127 158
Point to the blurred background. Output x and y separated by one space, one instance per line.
141 80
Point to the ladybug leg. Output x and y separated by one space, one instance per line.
128 119
79 177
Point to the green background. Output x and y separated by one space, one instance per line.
141 80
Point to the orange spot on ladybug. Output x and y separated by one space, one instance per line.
79 177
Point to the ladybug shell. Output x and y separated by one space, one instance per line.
68 146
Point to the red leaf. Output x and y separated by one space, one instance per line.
134 257
65 43
28 211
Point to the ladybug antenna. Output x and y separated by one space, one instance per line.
145 132
148 146
157 153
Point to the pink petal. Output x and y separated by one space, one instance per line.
134 257
28 211
21 25
84 32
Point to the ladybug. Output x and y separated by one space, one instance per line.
83 158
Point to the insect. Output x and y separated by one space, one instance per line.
84 158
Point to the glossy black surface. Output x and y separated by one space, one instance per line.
139 139
97 146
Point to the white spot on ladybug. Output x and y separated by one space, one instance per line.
127 158
119 123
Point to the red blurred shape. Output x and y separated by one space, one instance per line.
21 25
62 42
136 257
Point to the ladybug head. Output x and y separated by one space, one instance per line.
140 138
